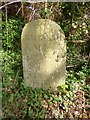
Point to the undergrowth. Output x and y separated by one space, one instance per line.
24 102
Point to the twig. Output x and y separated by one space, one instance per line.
22 9
18 10
9 3
45 5
78 8
32 15
71 66
79 41
6 37
30 1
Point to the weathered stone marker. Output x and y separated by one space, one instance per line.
44 54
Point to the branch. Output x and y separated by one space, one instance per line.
11 2
79 41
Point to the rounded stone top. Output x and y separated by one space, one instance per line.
41 26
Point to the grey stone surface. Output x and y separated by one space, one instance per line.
44 54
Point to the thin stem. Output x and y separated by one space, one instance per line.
6 37
30 1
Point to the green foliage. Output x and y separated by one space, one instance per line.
11 64
24 102
12 47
